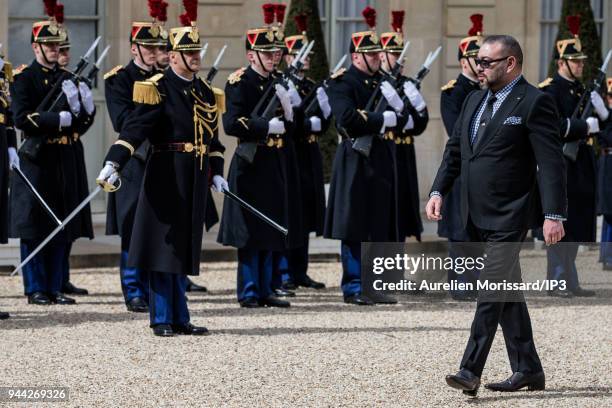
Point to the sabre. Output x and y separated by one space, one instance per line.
58 229
37 195
256 212
215 68
203 51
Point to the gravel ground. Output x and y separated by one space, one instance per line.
320 352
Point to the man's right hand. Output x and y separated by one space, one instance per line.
553 231
434 208
108 177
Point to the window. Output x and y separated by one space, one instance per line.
550 15
81 19
339 19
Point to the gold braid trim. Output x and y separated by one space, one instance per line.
220 98
126 145
32 115
205 117
215 154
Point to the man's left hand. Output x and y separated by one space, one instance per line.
553 231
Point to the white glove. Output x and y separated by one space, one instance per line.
86 97
323 100
108 175
414 96
294 95
315 124
219 184
392 96
409 124
599 106
276 127
285 100
390 120
593 125
13 158
65 119
72 95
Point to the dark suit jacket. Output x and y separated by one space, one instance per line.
499 176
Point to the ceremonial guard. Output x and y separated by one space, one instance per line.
261 171
8 144
159 11
451 100
178 113
316 118
362 204
566 89
605 174
64 61
49 159
409 214
145 38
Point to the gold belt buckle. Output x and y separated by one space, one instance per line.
312 139
188 147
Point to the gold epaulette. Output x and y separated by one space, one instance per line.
20 69
146 91
236 76
8 71
449 85
220 98
545 83
338 73
113 72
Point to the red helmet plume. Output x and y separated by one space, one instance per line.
397 20
59 13
370 16
279 11
476 24
301 21
191 12
573 24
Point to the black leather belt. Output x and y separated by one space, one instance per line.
179 147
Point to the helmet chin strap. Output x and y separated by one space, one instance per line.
261 63
569 69
366 63
185 62
140 54
42 51
471 68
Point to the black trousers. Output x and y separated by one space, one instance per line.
508 309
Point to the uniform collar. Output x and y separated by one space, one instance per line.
252 74
42 68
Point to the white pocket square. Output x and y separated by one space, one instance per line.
513 120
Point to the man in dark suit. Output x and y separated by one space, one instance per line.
505 135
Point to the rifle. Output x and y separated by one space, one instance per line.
313 102
425 68
93 72
56 91
215 68
378 104
32 145
203 51
247 150
570 149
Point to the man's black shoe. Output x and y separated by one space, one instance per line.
566 294
464 380
273 301
194 287
61 299
579 292
280 292
39 298
358 299
249 303
163 330
137 305
307 282
70 289
289 285
4 315
518 380
190 329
